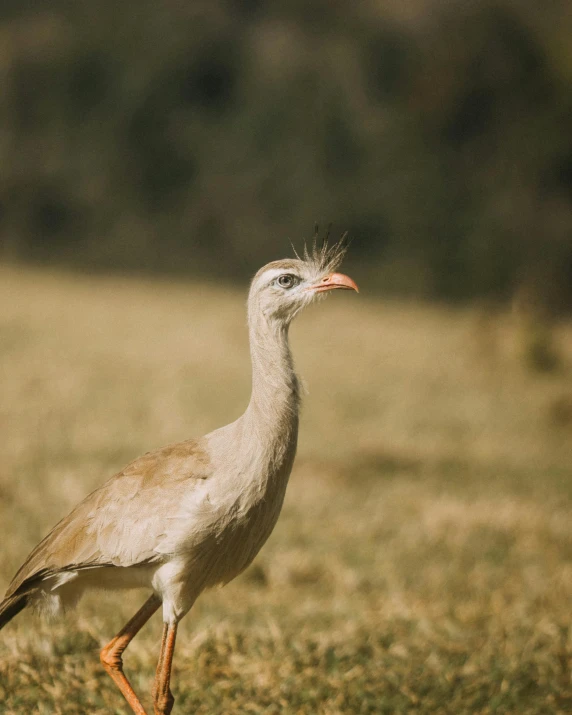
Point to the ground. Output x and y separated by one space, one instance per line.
423 559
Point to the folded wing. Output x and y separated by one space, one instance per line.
123 522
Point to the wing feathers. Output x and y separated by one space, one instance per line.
121 523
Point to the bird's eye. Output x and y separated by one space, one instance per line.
286 280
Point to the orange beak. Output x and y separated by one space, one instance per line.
333 281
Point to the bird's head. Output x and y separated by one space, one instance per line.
282 288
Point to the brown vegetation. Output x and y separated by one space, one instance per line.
423 561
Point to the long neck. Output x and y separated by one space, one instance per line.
272 414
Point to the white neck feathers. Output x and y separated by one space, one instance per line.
271 419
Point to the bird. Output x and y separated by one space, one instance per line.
192 515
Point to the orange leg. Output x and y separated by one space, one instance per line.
161 656
162 695
111 654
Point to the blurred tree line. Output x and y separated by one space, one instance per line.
200 137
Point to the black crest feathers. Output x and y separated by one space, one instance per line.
326 257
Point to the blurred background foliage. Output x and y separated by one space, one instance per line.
198 138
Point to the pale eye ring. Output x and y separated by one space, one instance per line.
286 280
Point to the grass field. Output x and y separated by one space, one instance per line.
423 560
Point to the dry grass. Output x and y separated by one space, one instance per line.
423 561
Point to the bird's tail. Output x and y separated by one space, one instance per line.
11 606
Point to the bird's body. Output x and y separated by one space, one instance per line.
191 515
